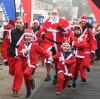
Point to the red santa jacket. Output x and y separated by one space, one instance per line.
8 27
52 34
78 45
64 63
38 37
33 50
5 47
10 43
90 41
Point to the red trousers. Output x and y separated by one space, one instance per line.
62 81
28 77
27 72
87 60
86 64
78 67
15 69
83 72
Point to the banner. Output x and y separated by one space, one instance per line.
90 20
9 9
41 19
27 10
95 7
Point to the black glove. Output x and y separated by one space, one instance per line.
92 58
92 54
59 28
6 63
43 36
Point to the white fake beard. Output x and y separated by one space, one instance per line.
54 18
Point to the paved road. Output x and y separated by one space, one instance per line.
90 90
6 83
47 91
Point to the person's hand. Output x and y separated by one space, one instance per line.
63 63
24 51
60 59
43 36
6 63
92 57
80 39
50 59
92 54
59 28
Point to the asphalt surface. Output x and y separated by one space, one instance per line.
90 90
6 82
45 90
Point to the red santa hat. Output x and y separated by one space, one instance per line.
77 25
73 22
71 25
22 18
28 32
36 21
84 18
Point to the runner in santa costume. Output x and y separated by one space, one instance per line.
8 27
54 31
90 45
37 29
65 67
9 53
97 36
29 52
35 26
78 41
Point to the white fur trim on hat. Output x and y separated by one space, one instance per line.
36 21
27 33
76 25
84 20
54 10
66 44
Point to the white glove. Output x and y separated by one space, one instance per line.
80 39
50 59
25 51
60 59
63 63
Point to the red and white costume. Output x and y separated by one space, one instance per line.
29 53
63 70
78 45
9 53
89 48
52 34
14 63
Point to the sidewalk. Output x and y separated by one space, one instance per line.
6 82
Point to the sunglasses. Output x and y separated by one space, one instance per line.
54 13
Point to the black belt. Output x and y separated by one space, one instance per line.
54 41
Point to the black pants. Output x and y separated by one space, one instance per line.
97 53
